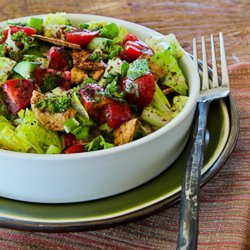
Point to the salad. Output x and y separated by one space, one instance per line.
68 88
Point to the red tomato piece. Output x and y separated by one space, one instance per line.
133 48
38 74
140 91
82 37
66 80
69 140
58 59
77 148
130 37
17 94
93 99
115 113
132 51
14 29
47 79
28 31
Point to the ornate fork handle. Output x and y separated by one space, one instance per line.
210 91
189 213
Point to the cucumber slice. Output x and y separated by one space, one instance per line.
25 68
36 23
78 106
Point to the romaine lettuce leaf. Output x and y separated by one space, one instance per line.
168 42
178 104
10 141
59 18
6 66
97 144
36 135
174 77
122 33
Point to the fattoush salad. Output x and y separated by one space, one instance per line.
69 88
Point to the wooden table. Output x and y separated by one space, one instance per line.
225 200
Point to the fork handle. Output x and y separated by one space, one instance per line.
189 211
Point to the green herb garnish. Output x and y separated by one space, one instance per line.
54 104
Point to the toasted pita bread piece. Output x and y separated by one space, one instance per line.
58 42
125 133
78 75
80 60
54 122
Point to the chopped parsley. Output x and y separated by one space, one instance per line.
112 89
54 104
84 26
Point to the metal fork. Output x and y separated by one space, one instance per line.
210 90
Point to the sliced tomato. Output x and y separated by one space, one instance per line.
77 148
134 48
130 37
17 94
93 99
15 28
140 91
115 113
58 58
82 37
48 79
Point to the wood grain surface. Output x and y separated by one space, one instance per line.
186 19
225 200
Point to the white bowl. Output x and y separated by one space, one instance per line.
94 175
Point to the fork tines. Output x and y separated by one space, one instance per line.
224 73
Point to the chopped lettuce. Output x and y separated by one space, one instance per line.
5 123
174 77
6 66
10 141
154 117
33 133
178 104
8 138
160 101
98 43
168 42
97 144
103 49
56 30
56 18
158 113
94 25
122 33
52 149
113 68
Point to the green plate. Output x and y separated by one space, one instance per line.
162 192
